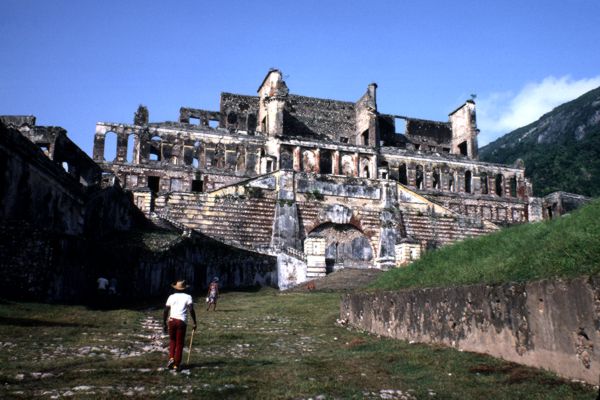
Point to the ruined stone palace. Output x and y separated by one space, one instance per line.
330 183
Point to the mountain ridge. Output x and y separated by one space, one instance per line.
561 150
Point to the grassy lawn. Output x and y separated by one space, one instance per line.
257 345
564 247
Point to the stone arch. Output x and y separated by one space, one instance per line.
347 165
110 146
365 169
155 150
346 246
436 179
419 177
499 185
403 174
309 161
468 177
132 141
286 159
240 162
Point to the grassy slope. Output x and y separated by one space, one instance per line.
564 247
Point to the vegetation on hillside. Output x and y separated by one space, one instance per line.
568 246
561 150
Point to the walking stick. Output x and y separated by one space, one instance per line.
190 350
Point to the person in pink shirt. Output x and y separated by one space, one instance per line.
176 309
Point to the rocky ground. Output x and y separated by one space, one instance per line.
265 344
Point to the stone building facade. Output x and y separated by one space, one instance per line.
268 172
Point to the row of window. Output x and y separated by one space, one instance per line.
451 181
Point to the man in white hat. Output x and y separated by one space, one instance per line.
175 311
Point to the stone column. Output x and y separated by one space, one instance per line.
318 161
335 159
356 159
297 165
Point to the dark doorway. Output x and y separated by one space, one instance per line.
154 183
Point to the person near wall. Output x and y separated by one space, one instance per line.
175 322
213 294
102 291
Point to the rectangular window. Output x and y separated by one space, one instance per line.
197 185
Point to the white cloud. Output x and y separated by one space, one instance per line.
500 113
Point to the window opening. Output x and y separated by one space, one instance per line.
468 177
130 148
155 149
154 183
400 126
365 138
513 186
197 186
325 166
419 177
110 146
499 185
436 178
462 148
484 183
194 121
402 176
343 139
213 123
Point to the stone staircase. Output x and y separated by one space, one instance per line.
247 222
346 279
443 229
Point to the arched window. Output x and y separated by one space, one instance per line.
130 147
484 183
325 165
232 120
513 186
436 178
468 177
402 176
365 138
499 185
419 177
196 155
155 153
110 146
240 164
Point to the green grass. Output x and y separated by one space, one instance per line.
260 345
564 247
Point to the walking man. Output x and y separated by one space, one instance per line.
176 310
213 294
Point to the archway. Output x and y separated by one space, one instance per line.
346 246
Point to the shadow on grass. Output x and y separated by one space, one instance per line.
36 322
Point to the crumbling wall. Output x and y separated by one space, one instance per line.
145 263
550 324
319 118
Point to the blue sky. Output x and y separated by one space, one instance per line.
74 63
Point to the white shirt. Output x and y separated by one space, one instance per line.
179 303
102 283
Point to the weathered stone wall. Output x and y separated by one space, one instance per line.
146 270
550 324
48 220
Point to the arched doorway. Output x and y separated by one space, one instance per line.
346 246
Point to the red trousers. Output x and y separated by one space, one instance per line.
176 338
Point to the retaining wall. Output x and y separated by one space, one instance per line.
549 324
